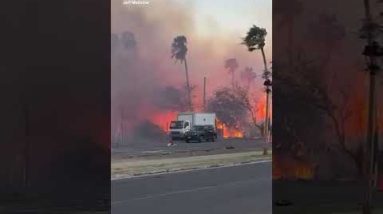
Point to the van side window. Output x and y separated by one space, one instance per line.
186 124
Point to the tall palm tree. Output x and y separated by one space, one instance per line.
128 40
255 40
178 51
232 65
249 76
371 53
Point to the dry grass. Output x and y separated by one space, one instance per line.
133 167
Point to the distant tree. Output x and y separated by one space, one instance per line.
233 106
128 40
248 75
232 65
179 51
243 96
306 86
229 108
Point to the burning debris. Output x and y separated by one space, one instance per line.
235 112
286 167
229 132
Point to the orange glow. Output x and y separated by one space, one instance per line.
356 126
288 168
229 132
260 106
261 113
162 119
232 133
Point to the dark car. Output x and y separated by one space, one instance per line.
201 133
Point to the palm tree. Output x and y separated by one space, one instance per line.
232 65
255 40
372 51
249 76
178 51
128 40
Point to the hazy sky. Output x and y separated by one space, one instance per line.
231 20
232 16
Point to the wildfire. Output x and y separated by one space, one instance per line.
162 119
261 113
228 132
287 168
232 133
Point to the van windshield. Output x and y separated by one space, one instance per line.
176 125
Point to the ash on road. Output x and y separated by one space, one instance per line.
241 189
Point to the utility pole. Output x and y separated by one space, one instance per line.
190 105
372 51
204 93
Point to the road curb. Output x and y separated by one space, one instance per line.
164 168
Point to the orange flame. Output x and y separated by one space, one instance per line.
228 132
261 113
232 133
292 169
162 119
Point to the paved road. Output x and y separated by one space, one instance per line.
154 147
244 189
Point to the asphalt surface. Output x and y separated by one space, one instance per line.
244 189
319 197
152 147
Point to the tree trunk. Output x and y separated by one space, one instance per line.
370 145
370 126
267 97
267 121
264 59
188 86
